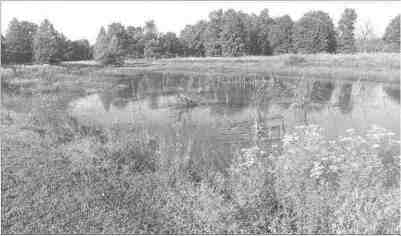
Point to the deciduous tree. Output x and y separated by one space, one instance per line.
346 27
212 44
392 35
46 44
314 33
19 38
280 35
232 34
193 39
264 24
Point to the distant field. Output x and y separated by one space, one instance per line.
375 67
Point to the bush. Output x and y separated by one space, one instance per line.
340 186
294 60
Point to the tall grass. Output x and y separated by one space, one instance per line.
62 177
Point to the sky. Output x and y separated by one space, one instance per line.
83 19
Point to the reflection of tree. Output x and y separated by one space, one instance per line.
106 98
120 103
154 100
321 92
393 93
344 100
311 96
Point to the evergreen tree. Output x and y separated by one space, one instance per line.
46 44
392 35
3 51
314 33
101 45
19 38
346 27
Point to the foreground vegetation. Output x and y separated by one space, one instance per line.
60 176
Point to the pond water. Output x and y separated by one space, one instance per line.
211 115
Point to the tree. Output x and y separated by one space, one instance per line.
111 46
251 33
101 45
115 52
46 44
264 24
367 41
170 44
136 41
193 39
346 27
153 49
392 35
118 31
212 44
77 50
280 35
314 33
232 35
150 30
19 38
3 51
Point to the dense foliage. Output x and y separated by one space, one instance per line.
314 33
392 35
225 33
19 38
346 27
25 42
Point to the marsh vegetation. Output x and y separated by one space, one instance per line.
117 150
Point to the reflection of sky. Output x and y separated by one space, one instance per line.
334 106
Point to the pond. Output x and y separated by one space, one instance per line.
211 115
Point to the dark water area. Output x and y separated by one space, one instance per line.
212 115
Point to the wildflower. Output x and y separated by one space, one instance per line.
345 139
349 130
390 134
333 168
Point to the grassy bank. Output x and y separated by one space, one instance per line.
63 177
371 67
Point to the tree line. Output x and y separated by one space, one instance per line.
227 33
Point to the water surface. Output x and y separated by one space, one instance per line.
209 116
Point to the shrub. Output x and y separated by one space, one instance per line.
340 186
294 60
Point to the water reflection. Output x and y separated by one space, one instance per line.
345 98
237 112
393 92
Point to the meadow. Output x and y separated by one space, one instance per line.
63 177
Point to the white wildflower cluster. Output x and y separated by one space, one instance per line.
289 139
249 156
377 133
317 170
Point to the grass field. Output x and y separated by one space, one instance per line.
62 177
362 66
